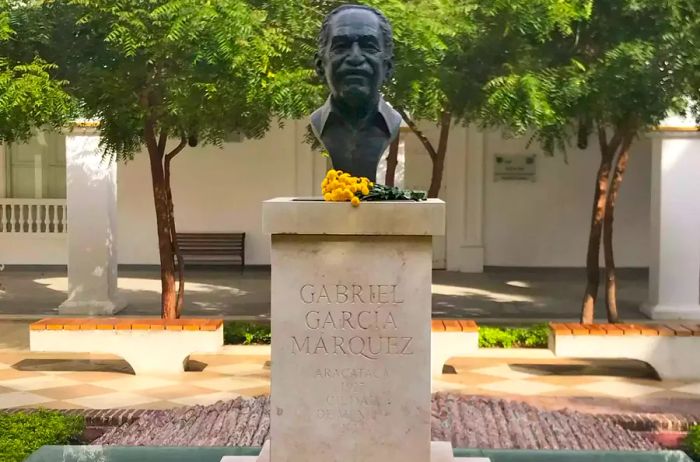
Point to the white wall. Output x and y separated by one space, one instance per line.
28 249
518 223
545 223
216 190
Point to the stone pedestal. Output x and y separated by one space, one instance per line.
674 270
351 308
91 192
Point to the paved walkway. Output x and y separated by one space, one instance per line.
69 381
495 295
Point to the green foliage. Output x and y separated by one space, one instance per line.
622 65
692 442
30 95
190 69
508 337
23 433
380 192
246 333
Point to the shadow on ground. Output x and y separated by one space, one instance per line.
496 294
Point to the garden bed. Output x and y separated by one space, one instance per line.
535 336
22 433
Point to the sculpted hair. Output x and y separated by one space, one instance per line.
387 34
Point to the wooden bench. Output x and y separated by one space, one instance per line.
149 345
212 248
450 338
672 349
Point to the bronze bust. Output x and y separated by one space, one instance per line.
355 57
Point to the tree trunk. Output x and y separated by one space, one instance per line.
439 159
607 151
392 160
610 277
165 248
171 219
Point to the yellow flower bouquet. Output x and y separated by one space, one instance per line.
339 186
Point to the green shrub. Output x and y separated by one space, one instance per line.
246 333
692 442
23 433
514 337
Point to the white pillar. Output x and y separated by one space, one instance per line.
464 175
91 194
674 273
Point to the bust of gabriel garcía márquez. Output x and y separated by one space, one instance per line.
355 57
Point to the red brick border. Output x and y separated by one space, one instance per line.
126 324
666 330
454 325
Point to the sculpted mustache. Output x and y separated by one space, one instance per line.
354 72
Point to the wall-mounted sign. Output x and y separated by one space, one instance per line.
512 167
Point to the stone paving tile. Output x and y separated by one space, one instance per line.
619 389
176 391
469 379
112 400
21 399
228 376
672 394
74 391
92 377
10 374
693 389
520 387
37 382
163 404
231 383
61 405
138 382
206 399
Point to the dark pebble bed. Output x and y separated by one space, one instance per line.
466 421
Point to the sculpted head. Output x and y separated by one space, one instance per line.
355 54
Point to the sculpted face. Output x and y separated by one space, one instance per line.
353 62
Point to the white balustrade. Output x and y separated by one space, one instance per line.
33 216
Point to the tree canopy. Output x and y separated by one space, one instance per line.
154 72
29 94
625 66
616 72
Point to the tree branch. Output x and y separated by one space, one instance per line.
162 140
149 135
445 121
177 150
602 139
421 136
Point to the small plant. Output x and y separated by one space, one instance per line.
23 433
691 443
246 333
514 337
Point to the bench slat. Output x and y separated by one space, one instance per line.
212 248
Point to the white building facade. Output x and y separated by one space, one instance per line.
539 220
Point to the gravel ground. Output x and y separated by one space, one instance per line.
469 422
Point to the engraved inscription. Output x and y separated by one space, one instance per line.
374 326
344 320
350 293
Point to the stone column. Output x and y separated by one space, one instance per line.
351 309
91 193
674 272
464 176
